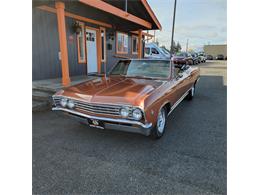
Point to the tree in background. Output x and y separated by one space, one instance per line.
173 47
178 47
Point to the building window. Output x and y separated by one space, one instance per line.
121 43
134 44
81 45
103 44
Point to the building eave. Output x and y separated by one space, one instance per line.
151 13
106 7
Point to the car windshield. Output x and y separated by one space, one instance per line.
142 68
165 51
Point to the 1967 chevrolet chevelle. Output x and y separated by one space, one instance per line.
136 96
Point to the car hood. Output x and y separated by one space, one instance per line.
113 90
178 58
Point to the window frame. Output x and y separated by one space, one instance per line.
103 46
84 44
122 52
137 44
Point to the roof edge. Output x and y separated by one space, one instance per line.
151 13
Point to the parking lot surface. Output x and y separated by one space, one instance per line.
69 158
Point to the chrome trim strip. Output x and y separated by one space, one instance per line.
147 125
179 101
98 112
94 104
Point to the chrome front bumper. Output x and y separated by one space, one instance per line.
111 123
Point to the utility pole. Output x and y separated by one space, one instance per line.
187 45
173 25
125 5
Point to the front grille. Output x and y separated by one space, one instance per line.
92 107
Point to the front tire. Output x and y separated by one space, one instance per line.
159 129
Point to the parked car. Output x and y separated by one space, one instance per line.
182 58
136 96
220 57
210 57
202 57
153 51
195 58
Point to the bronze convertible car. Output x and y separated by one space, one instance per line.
136 96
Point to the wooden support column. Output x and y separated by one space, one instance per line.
63 43
140 44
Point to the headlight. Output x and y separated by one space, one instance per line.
63 102
137 114
70 104
124 112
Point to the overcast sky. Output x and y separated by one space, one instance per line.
200 21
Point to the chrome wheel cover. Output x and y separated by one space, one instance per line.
161 121
192 91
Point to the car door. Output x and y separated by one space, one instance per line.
175 87
181 84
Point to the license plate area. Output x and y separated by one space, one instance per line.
96 123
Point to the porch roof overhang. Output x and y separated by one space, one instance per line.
138 11
139 8
138 15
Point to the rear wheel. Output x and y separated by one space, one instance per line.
159 128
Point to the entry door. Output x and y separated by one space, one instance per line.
91 43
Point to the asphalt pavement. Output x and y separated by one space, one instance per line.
69 158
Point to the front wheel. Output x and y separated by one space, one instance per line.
159 128
191 93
